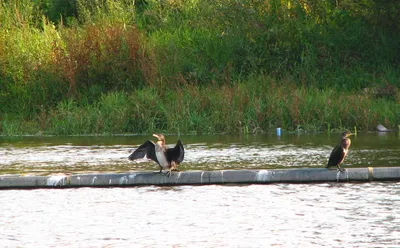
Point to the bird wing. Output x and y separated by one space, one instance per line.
176 154
336 156
146 149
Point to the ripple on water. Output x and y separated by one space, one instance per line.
282 215
66 159
296 215
89 154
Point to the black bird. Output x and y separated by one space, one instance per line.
340 151
166 158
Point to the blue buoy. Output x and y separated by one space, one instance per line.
278 131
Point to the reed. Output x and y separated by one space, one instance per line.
81 67
255 106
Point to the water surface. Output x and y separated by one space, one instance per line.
278 215
52 155
274 215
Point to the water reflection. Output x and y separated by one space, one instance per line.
45 155
282 215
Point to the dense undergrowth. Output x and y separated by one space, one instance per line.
90 67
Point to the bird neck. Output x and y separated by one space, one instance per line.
346 143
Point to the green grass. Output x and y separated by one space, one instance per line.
256 106
85 67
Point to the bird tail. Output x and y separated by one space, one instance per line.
131 157
182 151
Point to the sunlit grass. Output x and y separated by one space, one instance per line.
197 66
249 107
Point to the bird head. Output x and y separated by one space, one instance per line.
346 134
160 138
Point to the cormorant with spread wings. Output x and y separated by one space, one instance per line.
166 158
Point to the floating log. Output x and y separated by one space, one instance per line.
302 175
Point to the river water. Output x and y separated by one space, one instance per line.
275 215
50 155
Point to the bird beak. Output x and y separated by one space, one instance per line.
156 135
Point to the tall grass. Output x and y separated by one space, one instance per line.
317 42
197 66
42 64
258 105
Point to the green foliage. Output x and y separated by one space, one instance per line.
59 11
314 41
101 66
100 11
101 56
18 14
27 81
41 65
255 106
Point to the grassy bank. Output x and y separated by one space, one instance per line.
87 67
256 106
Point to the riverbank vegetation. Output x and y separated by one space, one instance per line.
175 66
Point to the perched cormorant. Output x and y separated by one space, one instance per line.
340 151
166 158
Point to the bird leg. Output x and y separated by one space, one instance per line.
169 172
341 169
174 166
171 168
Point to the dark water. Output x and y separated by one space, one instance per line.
50 155
275 215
